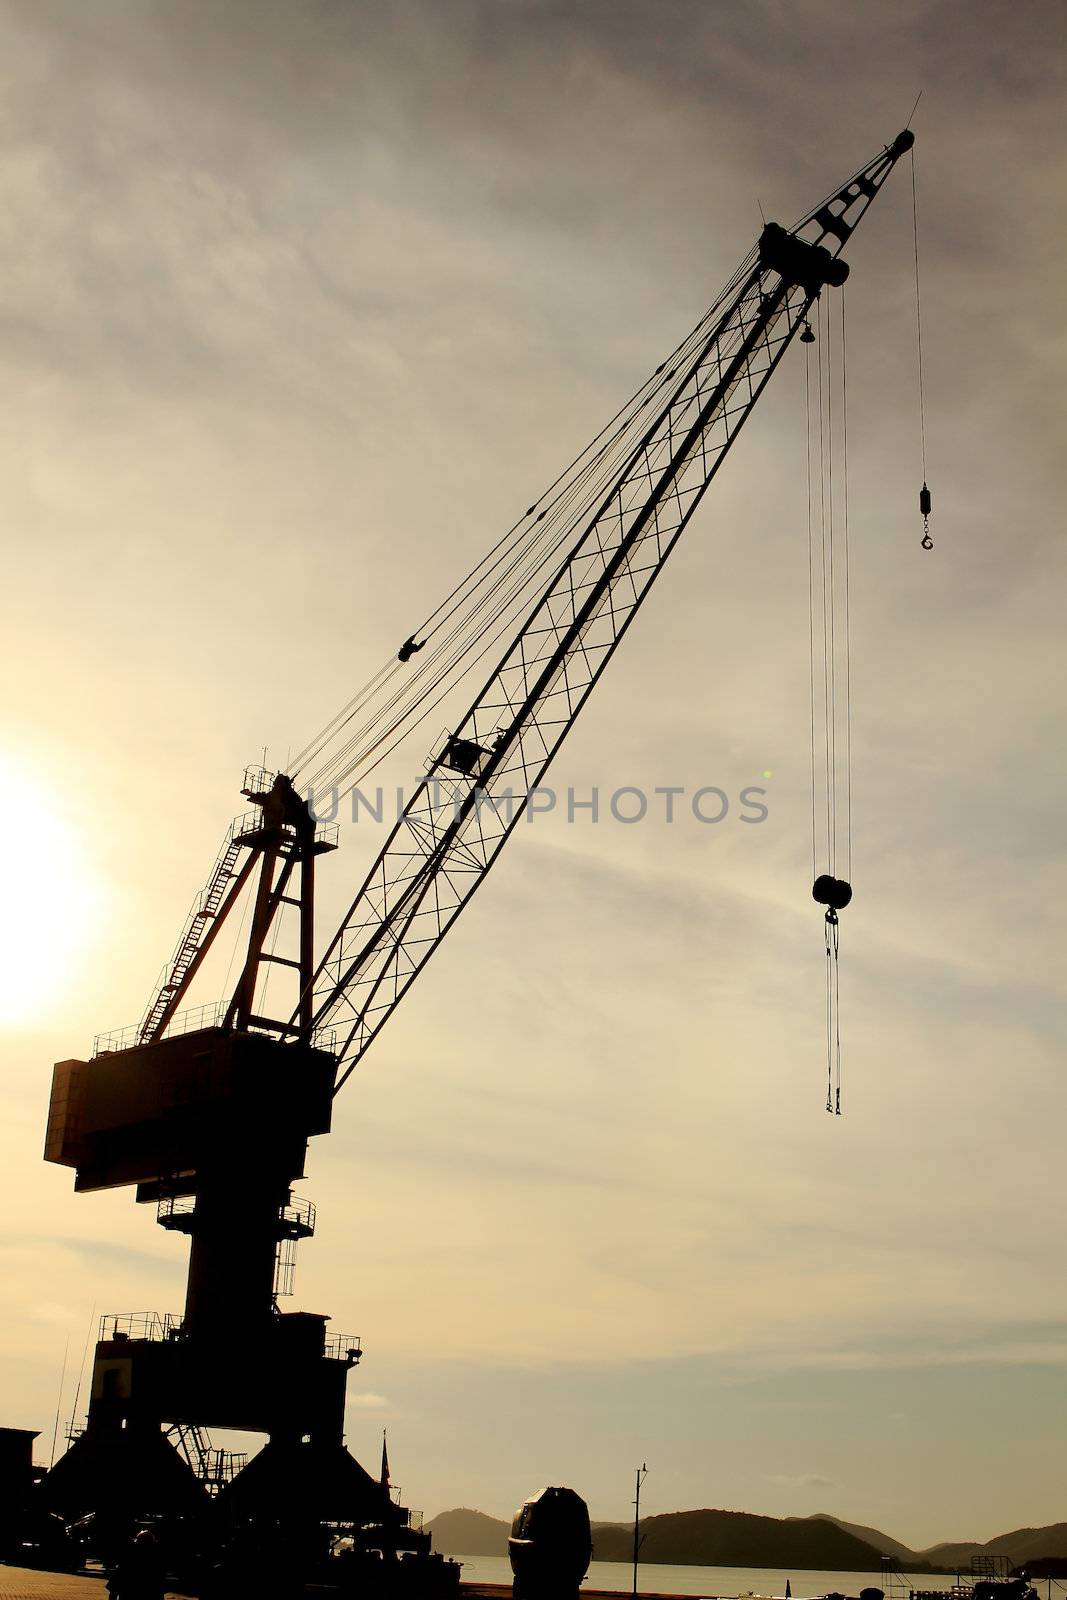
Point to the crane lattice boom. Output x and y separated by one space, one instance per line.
453 827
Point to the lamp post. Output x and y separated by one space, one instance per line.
642 1473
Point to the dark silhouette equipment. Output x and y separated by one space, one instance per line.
640 1474
925 501
834 893
209 1118
551 1546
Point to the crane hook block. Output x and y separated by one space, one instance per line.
832 892
408 649
924 507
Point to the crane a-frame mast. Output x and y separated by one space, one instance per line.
452 829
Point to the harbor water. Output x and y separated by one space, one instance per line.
706 1582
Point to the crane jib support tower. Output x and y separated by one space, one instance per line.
211 1123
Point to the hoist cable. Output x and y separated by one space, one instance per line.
918 313
345 766
385 754
598 472
514 601
439 665
635 400
829 641
403 722
346 713
811 607
523 582
358 702
545 532
822 584
829 1019
847 619
512 550
409 684
428 631
831 714
837 1021
437 656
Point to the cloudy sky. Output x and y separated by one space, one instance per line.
302 302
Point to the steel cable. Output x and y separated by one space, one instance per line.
522 539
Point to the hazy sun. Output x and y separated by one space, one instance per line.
53 896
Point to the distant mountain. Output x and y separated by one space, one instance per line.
872 1536
469 1533
740 1539
688 1538
1020 1548
472 1533
954 1556
1029 1544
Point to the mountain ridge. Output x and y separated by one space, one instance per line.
708 1537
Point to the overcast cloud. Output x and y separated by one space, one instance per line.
301 303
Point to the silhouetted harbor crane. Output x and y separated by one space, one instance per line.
209 1118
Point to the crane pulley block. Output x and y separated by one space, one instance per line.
809 265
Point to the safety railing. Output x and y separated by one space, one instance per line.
298 1218
174 1210
250 824
343 1347
154 1326
257 780
192 1020
222 1466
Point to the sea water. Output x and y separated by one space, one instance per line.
700 1581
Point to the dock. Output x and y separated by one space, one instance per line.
29 1583
502 1591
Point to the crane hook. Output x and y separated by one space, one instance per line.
925 503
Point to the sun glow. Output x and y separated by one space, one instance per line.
53 898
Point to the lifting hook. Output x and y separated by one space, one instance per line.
925 503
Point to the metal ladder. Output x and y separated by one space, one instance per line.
205 908
214 1468
194 1446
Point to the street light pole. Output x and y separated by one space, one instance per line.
642 1473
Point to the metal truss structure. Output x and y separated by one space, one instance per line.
478 785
